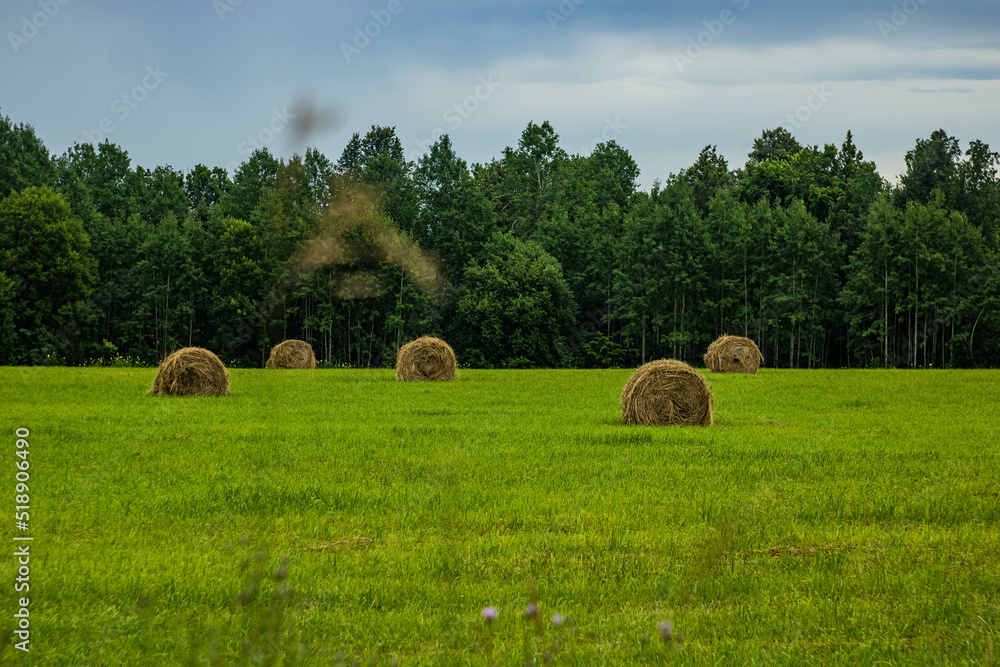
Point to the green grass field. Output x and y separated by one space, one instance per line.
339 517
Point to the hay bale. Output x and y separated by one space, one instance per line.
667 392
733 354
426 358
191 371
291 354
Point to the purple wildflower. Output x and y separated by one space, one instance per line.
666 630
557 620
488 614
531 611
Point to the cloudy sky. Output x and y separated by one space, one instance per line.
204 81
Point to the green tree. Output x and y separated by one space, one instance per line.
776 144
529 179
351 159
240 295
574 208
615 173
286 214
810 175
567 227
610 194
377 159
980 198
45 255
163 269
194 307
732 257
454 221
8 325
707 176
637 275
659 283
117 299
870 294
859 185
514 308
249 183
683 265
381 142
24 160
157 193
917 286
981 308
804 283
204 187
932 165
937 260
970 185
321 178
102 172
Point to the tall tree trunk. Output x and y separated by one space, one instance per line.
916 308
166 318
925 342
684 347
674 329
644 341
399 328
746 300
371 339
608 303
885 311
776 336
791 348
934 337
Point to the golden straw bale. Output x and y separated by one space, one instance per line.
191 371
291 354
426 358
733 354
667 392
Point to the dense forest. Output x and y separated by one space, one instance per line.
537 258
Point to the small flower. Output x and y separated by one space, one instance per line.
488 614
557 620
531 611
666 630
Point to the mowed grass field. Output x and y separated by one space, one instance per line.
339 517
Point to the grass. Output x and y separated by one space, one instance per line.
339 517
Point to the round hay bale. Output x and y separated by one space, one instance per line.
291 354
667 392
191 371
426 358
733 354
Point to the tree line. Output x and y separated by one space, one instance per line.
537 258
